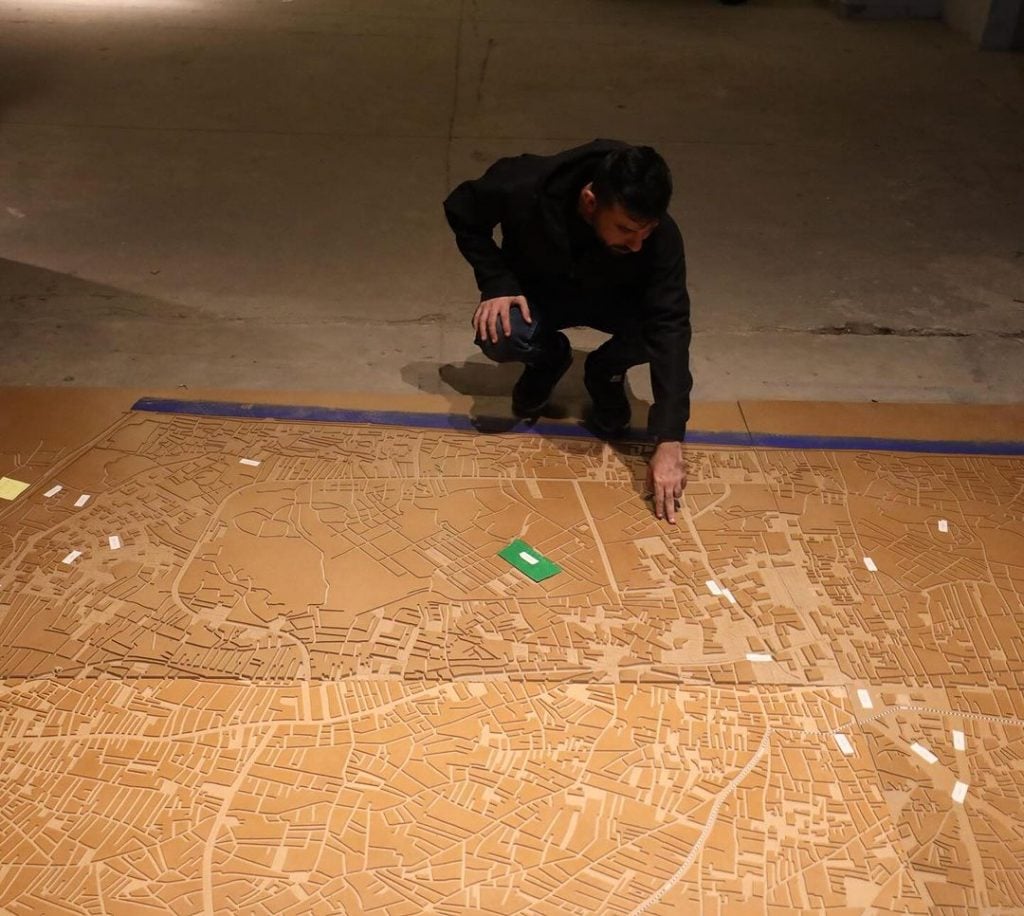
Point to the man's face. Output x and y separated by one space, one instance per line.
621 233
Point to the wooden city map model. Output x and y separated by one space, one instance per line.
306 683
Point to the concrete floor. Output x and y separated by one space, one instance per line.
248 194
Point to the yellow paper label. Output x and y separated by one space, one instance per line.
12 489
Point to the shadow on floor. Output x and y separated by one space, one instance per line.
59 328
29 291
490 385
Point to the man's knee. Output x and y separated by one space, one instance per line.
509 348
506 350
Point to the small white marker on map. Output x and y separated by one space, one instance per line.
926 755
759 656
844 744
114 541
865 699
523 555
870 564
959 740
251 462
71 557
943 526
960 792
53 491
729 595
82 500
713 587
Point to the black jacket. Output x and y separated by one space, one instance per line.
531 198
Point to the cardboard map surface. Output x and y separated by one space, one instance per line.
310 685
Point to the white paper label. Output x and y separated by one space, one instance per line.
53 491
759 656
960 792
959 740
71 557
523 555
870 564
252 462
713 587
926 755
844 744
865 699
943 525
82 500
115 542
729 595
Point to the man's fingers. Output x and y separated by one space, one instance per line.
506 321
524 307
666 503
666 499
492 325
660 502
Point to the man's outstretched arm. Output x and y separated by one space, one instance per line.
668 333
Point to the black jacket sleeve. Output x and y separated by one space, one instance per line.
473 209
667 333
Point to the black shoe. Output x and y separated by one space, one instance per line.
609 417
533 390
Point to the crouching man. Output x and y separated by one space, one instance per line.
586 241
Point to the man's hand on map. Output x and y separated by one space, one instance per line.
666 478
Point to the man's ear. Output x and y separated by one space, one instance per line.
588 200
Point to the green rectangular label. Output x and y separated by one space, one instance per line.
527 560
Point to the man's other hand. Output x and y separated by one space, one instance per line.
666 478
492 311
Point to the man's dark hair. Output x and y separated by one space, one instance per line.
637 179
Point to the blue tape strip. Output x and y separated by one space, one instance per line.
462 423
872 444
457 422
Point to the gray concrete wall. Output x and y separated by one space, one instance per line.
1003 26
968 17
996 25
990 24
